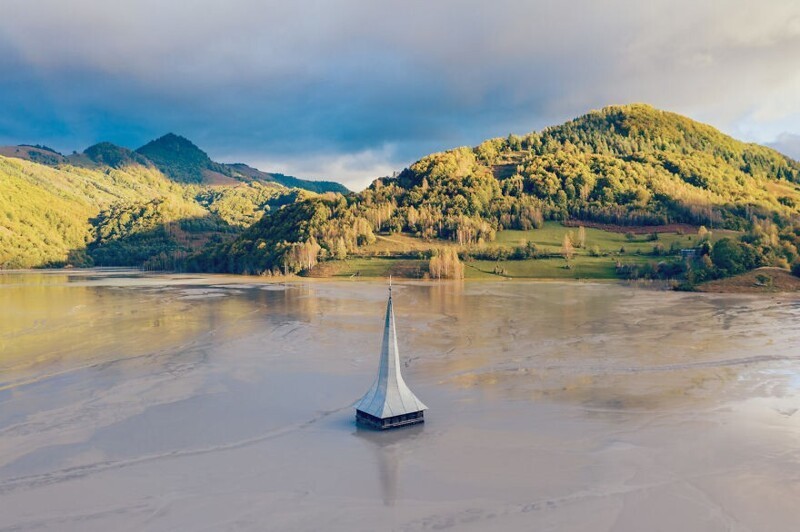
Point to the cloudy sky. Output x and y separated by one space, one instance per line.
350 90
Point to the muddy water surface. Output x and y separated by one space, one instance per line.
152 402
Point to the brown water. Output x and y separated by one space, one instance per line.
144 402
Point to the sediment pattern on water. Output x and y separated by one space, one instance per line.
164 402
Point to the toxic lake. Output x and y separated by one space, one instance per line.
133 401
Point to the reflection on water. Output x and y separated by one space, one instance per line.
387 449
53 322
183 402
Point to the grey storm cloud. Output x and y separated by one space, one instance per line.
352 89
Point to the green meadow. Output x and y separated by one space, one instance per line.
401 255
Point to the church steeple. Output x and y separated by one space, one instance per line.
389 403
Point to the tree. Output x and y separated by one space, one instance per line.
581 237
341 249
567 250
728 256
445 264
435 266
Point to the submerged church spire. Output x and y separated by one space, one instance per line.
389 403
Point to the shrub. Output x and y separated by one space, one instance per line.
763 280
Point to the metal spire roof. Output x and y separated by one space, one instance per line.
389 395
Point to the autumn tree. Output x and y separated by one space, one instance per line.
445 264
341 249
567 249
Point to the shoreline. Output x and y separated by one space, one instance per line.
781 282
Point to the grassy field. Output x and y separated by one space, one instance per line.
371 267
393 255
550 237
384 267
582 268
400 244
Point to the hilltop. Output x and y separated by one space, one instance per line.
181 160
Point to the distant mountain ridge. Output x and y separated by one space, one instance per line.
112 206
287 180
175 156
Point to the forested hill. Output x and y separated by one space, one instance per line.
638 165
625 165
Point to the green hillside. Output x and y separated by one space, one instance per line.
118 212
294 238
638 164
623 165
45 212
113 206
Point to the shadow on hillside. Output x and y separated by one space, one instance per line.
162 247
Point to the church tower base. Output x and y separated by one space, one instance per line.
367 420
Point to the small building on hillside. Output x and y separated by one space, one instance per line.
389 403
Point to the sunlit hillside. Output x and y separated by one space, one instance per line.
71 215
112 206
622 166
